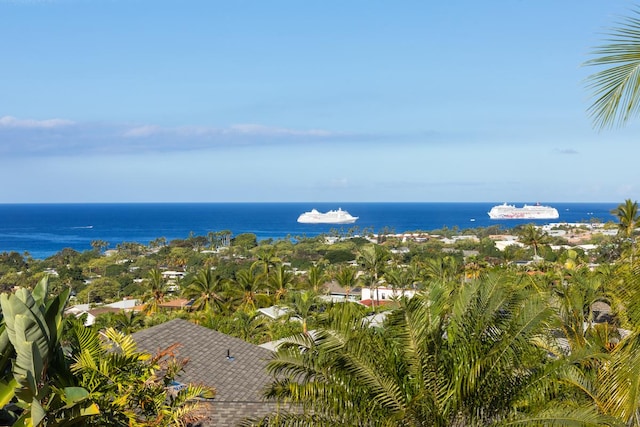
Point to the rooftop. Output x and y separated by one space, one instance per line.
235 368
239 377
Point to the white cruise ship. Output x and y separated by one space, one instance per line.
536 211
332 217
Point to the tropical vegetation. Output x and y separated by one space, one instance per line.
459 332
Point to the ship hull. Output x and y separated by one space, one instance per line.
325 221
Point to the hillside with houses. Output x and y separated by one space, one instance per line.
245 314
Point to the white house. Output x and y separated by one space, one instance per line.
125 304
172 275
274 312
384 293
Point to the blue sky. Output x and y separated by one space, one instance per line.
333 100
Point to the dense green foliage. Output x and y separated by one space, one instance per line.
57 373
477 354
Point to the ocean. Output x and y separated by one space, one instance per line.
44 229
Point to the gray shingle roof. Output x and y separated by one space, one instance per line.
239 379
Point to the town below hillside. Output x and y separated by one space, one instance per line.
160 277
526 303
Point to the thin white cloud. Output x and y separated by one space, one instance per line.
239 130
58 137
255 129
142 131
12 122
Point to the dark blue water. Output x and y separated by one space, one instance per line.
44 229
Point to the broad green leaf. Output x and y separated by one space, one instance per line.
29 364
40 291
4 340
21 303
7 392
90 410
74 395
54 313
37 412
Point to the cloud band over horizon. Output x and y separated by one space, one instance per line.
52 137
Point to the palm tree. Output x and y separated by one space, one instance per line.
472 357
617 383
622 286
301 305
212 238
158 243
316 278
347 278
280 280
127 321
249 283
533 236
616 87
206 290
573 299
441 269
267 258
473 268
617 386
628 221
218 239
179 258
251 326
99 245
156 291
414 272
397 278
628 218
373 259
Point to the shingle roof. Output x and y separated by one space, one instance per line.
240 378
334 288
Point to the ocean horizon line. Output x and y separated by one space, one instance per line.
308 202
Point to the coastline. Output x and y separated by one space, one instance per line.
44 229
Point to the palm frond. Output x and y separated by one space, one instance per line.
616 89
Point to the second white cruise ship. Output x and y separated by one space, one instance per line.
332 217
536 211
